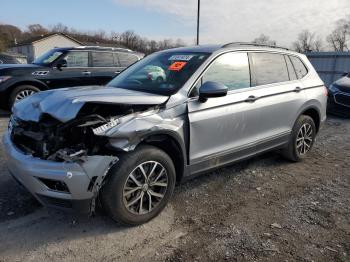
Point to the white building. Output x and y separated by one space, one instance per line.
38 46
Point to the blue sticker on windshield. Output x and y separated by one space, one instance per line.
181 57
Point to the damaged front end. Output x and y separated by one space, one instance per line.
71 158
71 141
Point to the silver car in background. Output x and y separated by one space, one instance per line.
128 143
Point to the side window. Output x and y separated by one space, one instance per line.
291 71
231 69
299 66
102 59
77 59
269 68
126 59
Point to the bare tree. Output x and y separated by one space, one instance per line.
179 43
307 42
340 36
128 39
264 40
9 35
59 28
37 30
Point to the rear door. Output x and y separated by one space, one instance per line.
105 66
75 73
126 59
225 128
279 96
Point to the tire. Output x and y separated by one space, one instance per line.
160 79
21 91
115 194
293 151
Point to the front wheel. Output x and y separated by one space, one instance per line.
21 92
301 140
139 186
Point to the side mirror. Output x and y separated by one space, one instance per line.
345 73
211 89
61 63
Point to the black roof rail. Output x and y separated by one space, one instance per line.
251 44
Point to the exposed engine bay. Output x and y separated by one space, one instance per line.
70 141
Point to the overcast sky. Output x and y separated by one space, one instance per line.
221 20
243 20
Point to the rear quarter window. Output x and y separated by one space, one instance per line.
300 68
269 68
126 59
291 71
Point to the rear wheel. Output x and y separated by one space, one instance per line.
139 186
21 92
301 140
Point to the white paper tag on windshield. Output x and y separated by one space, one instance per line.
181 57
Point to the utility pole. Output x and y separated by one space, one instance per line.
198 13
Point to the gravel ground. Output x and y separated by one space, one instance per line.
263 209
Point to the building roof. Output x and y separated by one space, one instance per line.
43 37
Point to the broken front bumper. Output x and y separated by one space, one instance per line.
79 182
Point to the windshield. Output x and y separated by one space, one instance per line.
161 73
48 57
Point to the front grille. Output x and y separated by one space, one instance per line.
58 202
342 99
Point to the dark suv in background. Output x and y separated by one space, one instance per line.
339 97
63 67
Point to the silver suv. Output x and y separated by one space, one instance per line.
125 145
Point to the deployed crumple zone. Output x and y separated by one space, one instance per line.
62 129
85 132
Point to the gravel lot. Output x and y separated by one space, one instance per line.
263 209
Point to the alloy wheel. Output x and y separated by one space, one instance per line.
23 94
304 139
145 187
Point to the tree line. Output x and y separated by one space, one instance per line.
307 41
11 35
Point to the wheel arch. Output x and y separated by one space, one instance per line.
172 144
38 84
314 113
6 94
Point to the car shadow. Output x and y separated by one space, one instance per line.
44 227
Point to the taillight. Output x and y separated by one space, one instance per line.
325 90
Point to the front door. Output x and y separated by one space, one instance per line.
75 72
223 129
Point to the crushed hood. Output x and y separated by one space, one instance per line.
65 104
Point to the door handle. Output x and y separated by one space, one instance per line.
86 73
297 89
117 72
250 99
